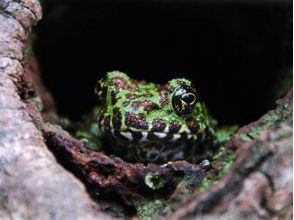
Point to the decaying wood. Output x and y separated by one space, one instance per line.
35 184
104 174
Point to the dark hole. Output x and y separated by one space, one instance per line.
236 54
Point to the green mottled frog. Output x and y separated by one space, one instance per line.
147 122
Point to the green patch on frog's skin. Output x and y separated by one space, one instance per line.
147 122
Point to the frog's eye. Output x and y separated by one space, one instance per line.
183 100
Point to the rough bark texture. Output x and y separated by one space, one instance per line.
32 184
259 185
36 185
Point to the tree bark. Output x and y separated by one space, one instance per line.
259 185
38 159
32 184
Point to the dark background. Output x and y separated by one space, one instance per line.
239 56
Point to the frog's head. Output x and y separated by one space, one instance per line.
140 111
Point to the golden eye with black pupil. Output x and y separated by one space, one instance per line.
183 100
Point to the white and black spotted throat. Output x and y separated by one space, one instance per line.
155 147
149 136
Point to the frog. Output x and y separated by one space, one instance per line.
146 122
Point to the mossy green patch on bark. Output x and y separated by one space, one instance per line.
150 210
223 158
226 159
223 134
86 130
281 112
28 51
154 181
89 139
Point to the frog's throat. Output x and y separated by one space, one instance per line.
147 136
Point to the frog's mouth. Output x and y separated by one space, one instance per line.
151 136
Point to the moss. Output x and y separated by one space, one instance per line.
281 112
154 181
87 130
223 134
150 210
225 165
94 129
39 103
89 139
157 208
222 156
227 160
267 120
28 51
218 154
